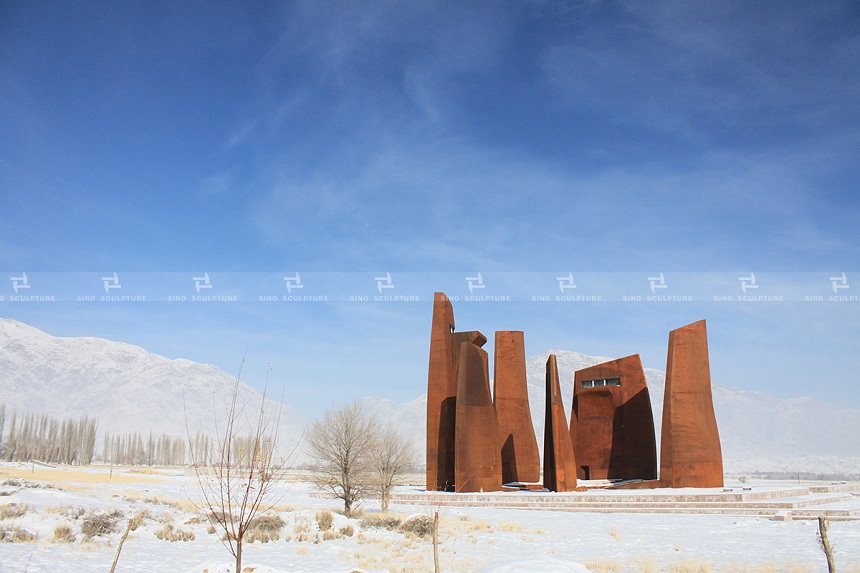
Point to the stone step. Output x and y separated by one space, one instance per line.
835 488
729 496
791 503
768 508
830 513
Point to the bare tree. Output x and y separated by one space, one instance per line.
390 455
245 470
11 441
341 444
436 541
130 450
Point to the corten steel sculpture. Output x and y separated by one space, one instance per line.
559 464
473 442
517 442
690 453
442 380
611 423
441 397
478 465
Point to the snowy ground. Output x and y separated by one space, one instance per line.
472 539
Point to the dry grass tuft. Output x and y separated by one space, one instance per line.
146 471
387 521
171 533
183 505
509 527
16 535
67 476
196 520
615 533
302 530
689 566
324 520
282 508
643 565
604 566
396 556
13 510
71 512
63 534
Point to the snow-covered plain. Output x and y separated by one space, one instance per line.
489 540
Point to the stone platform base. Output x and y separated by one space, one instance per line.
834 501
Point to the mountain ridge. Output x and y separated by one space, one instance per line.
128 389
125 387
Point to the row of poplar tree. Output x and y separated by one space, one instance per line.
44 438
27 437
135 450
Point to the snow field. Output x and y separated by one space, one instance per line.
483 539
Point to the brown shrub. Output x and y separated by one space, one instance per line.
100 524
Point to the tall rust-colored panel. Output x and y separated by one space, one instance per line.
559 464
472 337
611 423
441 397
690 452
478 459
517 442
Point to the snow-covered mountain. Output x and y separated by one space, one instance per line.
759 433
129 389
126 388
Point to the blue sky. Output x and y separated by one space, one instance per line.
433 141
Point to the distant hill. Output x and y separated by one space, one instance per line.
125 387
129 389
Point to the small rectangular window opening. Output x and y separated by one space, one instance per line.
601 382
